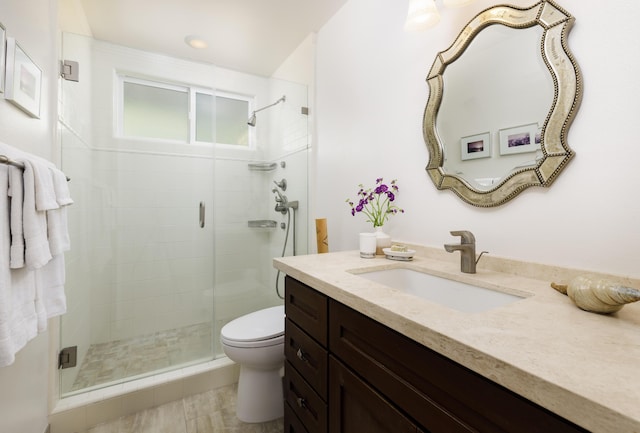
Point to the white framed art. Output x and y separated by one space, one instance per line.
3 55
23 81
475 146
519 139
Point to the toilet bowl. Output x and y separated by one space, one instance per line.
256 342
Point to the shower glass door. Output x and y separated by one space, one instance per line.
151 279
140 275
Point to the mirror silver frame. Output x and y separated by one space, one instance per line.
567 82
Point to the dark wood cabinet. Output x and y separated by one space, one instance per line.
355 407
351 374
306 367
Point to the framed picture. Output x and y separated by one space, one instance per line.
475 146
23 80
519 139
3 55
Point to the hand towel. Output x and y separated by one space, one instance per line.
16 193
50 294
43 183
61 187
37 253
57 231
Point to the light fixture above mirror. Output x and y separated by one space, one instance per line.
424 14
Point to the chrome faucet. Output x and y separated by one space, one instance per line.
467 248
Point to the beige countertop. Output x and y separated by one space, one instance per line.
582 366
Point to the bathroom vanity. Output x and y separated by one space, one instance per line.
362 356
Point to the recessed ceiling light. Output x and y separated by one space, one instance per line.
196 42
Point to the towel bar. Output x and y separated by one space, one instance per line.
5 160
8 161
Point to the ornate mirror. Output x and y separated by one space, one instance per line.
497 117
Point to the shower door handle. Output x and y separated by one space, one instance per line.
202 214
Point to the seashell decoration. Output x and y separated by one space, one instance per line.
598 295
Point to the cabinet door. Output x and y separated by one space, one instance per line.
354 407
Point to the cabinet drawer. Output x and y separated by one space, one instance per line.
291 422
307 357
438 393
307 308
304 401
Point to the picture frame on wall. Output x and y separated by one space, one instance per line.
3 55
23 79
475 146
519 139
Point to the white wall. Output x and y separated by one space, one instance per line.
371 94
24 384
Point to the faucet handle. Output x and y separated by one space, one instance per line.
467 236
282 184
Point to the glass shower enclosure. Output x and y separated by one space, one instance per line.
165 244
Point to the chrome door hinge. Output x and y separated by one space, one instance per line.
70 70
68 357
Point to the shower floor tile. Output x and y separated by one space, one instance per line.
210 412
115 360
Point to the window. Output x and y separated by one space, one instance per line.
231 120
154 110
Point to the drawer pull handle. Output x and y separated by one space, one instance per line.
302 402
301 355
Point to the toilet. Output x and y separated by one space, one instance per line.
256 342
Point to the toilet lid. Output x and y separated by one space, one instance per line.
260 325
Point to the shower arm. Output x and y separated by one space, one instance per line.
283 99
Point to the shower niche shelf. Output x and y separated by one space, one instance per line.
263 224
262 166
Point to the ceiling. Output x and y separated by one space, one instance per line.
253 36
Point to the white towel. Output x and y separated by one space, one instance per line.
61 187
50 289
16 193
30 295
37 253
57 232
18 318
43 183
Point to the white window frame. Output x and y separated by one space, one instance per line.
119 116
191 92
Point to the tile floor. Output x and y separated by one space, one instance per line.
210 412
108 362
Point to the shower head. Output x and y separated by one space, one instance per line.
252 120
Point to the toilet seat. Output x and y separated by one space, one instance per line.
258 329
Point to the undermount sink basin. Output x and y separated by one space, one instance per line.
449 293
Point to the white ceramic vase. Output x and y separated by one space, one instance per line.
383 240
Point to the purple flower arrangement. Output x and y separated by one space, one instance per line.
376 203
